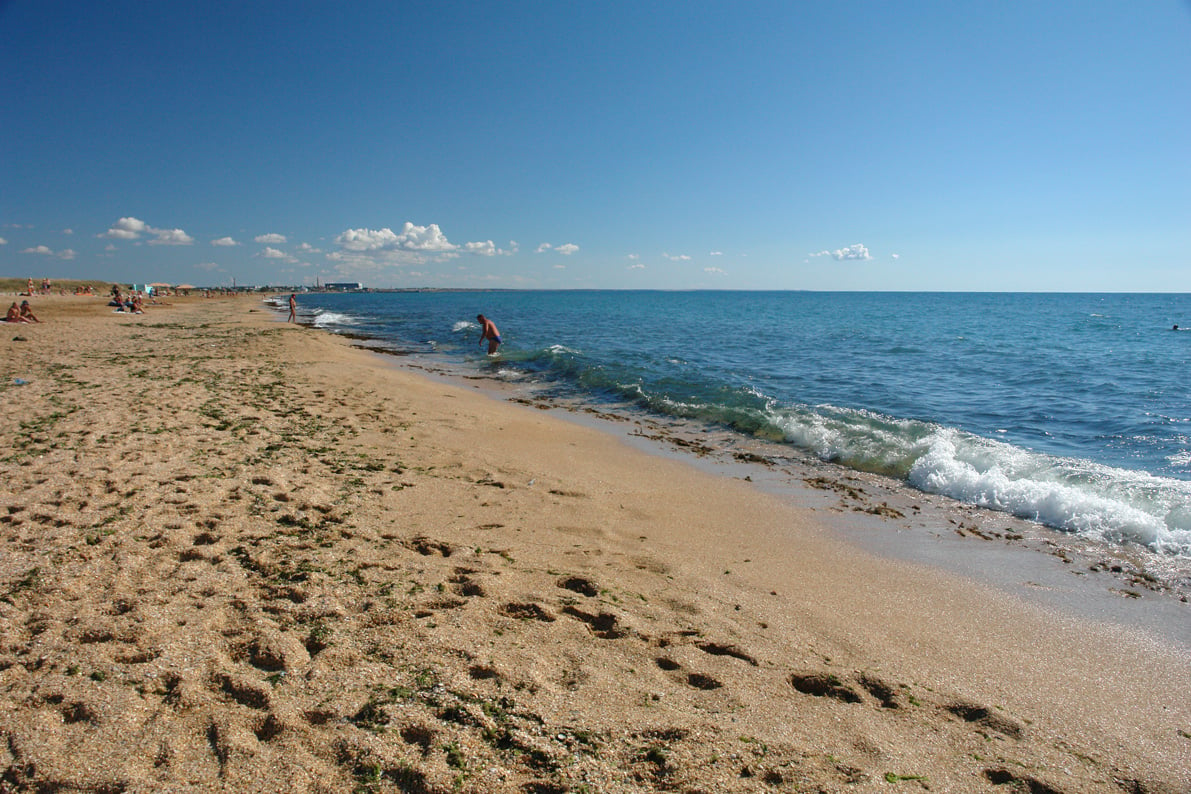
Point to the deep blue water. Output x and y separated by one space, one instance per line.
1073 410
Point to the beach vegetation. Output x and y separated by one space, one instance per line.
30 581
892 777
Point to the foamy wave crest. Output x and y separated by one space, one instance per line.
562 349
324 319
463 325
1096 501
1092 500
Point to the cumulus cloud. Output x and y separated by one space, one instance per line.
677 257
412 238
896 256
132 228
272 239
637 266
857 251
170 237
66 253
566 249
3 241
307 248
126 229
487 248
44 250
714 270
224 241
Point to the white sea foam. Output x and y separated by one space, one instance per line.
1096 501
463 325
558 349
1092 500
324 319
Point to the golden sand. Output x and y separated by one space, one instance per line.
242 555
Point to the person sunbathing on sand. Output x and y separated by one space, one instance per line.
27 315
14 314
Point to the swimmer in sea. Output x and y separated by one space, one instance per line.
488 331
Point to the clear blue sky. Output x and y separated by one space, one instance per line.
762 145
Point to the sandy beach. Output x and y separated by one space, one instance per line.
243 555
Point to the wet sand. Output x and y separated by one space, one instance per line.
243 555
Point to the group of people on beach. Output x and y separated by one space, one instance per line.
21 314
132 302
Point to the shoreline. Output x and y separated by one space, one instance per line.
1125 585
239 552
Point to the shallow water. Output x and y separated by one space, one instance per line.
1071 410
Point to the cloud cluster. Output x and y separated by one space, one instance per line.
566 249
412 238
132 229
270 239
45 250
857 251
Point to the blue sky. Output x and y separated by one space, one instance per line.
675 145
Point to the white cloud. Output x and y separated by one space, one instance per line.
3 241
224 241
132 228
487 248
307 248
857 251
66 253
274 239
677 257
560 267
412 238
273 253
637 266
208 266
170 237
68 231
126 229
715 253
714 270
896 256
566 249
41 249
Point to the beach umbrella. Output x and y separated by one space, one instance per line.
158 284
186 286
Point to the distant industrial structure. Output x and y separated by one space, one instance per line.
342 286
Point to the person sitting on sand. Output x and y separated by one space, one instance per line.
488 331
14 314
27 315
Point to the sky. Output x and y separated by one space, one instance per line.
853 145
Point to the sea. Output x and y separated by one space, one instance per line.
1069 410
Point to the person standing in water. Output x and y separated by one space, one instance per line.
488 331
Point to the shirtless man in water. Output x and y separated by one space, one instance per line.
488 331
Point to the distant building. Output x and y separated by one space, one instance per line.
343 286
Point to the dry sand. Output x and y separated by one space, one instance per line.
242 555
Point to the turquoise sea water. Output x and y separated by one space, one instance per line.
1073 410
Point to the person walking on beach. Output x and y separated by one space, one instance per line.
488 331
293 308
